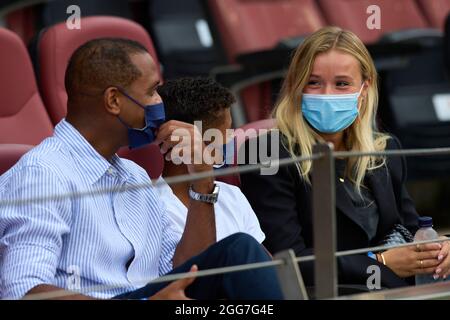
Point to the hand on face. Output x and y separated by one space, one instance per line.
182 143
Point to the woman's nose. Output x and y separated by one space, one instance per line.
327 89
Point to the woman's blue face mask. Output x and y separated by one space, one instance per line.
330 113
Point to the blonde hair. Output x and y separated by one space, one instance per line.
362 135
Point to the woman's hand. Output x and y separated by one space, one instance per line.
443 269
413 260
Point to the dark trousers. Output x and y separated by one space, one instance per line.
234 250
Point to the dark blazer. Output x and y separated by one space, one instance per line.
283 204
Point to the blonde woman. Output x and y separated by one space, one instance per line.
330 94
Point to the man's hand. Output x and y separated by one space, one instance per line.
175 290
413 260
183 143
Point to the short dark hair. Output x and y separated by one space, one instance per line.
100 63
195 99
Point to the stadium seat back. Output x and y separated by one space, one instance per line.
435 11
184 39
54 12
10 154
248 131
254 25
353 15
23 118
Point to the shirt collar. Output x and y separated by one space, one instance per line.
93 164
161 185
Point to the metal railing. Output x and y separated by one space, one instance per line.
324 215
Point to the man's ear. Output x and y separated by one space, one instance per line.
111 99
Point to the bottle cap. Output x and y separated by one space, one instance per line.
425 222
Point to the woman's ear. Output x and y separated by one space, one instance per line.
363 96
366 86
111 100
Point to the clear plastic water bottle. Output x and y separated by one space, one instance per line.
425 232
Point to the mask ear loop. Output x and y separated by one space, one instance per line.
122 91
363 98
362 87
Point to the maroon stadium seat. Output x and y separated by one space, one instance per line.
241 137
10 154
148 157
249 26
352 15
435 11
23 118
250 130
55 47
257 100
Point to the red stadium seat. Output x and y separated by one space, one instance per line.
10 154
246 131
352 15
248 26
149 157
23 118
55 47
250 130
257 100
435 11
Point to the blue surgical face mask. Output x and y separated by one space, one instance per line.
228 153
154 117
330 113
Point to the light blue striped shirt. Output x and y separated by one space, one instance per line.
76 243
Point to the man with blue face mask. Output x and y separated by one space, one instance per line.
110 232
154 117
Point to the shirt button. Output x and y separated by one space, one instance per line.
110 171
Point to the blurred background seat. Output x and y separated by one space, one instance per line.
23 118
184 38
398 15
10 154
435 11
248 131
251 26
54 12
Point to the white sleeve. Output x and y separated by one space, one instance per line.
176 213
251 222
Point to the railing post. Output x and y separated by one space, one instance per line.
324 219
289 276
